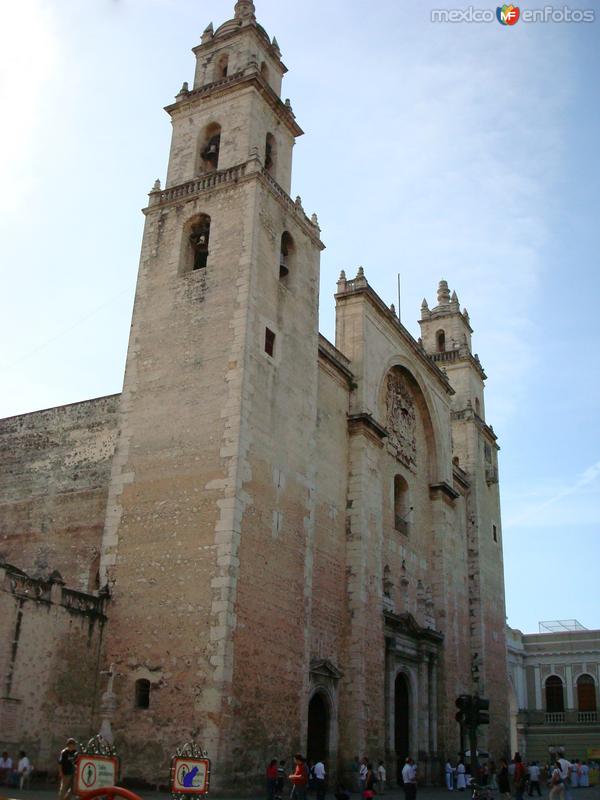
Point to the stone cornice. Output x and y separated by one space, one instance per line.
333 356
365 424
445 489
357 287
249 77
257 30
226 178
406 624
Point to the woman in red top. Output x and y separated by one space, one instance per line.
271 779
299 778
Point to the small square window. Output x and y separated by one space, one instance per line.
269 342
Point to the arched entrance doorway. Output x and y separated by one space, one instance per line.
401 723
317 740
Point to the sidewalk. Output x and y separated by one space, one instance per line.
424 793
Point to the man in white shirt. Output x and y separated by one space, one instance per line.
319 773
534 779
409 777
565 769
24 769
381 777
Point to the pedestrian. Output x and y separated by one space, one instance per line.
370 779
280 780
272 779
534 779
6 765
565 771
449 775
585 775
503 779
381 777
409 776
320 778
24 769
557 787
66 770
299 778
461 776
362 774
520 777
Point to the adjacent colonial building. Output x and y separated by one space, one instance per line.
296 543
554 678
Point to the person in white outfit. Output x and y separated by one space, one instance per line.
461 778
449 771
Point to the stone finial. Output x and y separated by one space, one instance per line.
208 33
443 293
156 185
315 221
244 10
466 315
288 105
341 284
298 201
360 273
185 88
276 47
393 309
454 298
424 304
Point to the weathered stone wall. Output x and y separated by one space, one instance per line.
49 661
54 471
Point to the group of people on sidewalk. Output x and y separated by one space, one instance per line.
517 778
17 772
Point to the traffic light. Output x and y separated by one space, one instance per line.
464 703
481 714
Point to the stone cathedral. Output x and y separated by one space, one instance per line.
274 543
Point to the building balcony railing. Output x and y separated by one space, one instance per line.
587 717
555 717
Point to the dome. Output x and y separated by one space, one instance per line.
245 14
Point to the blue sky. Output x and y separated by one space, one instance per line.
463 151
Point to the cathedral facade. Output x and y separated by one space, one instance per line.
279 543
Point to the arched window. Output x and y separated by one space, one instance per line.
440 338
477 407
402 506
286 252
222 67
209 147
198 237
555 700
142 693
270 154
586 693
264 71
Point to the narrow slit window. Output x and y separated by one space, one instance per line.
269 342
495 533
142 693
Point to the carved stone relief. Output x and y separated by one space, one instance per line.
401 419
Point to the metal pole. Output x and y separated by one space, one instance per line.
399 307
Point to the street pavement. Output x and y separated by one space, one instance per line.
424 793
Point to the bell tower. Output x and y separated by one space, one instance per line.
218 417
446 336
